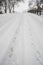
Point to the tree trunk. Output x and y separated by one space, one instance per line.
5 7
13 8
9 9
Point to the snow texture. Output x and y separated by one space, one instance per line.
21 39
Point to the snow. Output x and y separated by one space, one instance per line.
21 39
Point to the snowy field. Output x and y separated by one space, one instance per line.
21 39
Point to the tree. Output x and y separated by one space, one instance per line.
38 3
32 4
9 4
5 6
5 3
12 4
18 0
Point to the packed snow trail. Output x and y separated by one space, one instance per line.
25 41
6 33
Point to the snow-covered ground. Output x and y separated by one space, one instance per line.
21 39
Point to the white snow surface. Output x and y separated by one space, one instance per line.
21 39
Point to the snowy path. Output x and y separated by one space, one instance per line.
6 34
23 39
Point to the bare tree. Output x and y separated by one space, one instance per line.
32 4
12 4
5 3
20 0
38 3
9 4
5 6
